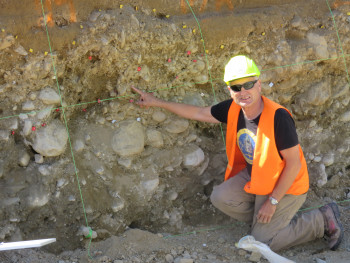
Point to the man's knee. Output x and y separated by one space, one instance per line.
233 202
216 197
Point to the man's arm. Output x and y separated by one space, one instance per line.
184 110
290 172
288 175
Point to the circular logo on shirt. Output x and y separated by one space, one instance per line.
246 142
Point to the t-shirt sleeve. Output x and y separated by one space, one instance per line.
220 110
285 132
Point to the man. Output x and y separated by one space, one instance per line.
266 179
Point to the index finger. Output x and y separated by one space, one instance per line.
137 90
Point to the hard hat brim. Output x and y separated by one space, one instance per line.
241 77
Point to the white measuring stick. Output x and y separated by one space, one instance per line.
249 243
26 244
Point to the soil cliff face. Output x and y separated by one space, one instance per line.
146 167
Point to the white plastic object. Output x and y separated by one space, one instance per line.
249 243
26 244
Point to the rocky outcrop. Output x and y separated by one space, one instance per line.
49 96
147 167
129 139
51 140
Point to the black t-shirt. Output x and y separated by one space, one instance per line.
285 132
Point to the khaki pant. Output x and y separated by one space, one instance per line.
284 230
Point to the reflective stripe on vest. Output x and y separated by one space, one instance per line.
267 163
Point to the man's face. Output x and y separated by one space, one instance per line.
246 98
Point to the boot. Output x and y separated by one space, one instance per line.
333 228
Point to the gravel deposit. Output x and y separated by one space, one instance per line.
74 131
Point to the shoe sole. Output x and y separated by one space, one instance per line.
336 212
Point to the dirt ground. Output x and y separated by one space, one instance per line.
199 242
202 244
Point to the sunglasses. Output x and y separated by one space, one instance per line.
246 86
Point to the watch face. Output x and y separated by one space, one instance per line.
273 201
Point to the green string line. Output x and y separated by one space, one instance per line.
309 208
340 43
168 88
65 121
234 224
202 230
96 101
207 61
304 62
205 53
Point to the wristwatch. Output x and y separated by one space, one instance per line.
273 201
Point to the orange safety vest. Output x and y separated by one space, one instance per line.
267 163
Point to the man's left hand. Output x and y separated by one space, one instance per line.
266 212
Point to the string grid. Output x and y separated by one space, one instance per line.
63 108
